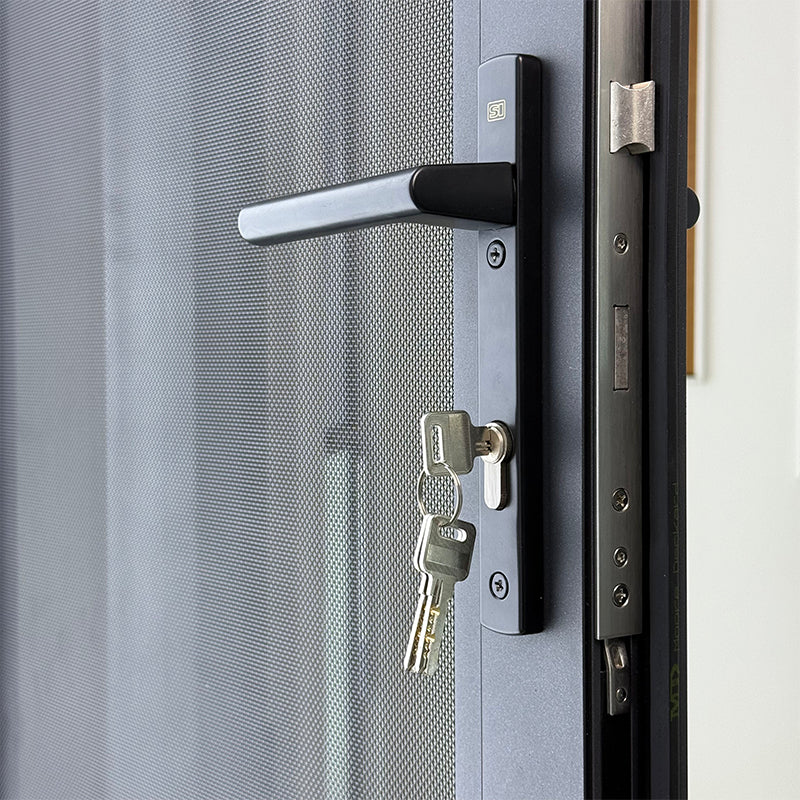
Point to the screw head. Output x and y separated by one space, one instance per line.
621 243
621 694
498 585
496 253
620 556
620 595
620 499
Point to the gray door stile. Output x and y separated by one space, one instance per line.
520 699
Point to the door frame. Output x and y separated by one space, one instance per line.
530 710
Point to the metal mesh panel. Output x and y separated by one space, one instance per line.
209 449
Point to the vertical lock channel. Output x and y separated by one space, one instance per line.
617 372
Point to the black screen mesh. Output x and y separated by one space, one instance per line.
209 449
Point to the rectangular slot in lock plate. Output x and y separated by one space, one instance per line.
622 334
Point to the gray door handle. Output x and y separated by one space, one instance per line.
472 196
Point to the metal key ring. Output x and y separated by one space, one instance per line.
459 493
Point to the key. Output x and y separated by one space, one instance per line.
449 437
420 614
443 562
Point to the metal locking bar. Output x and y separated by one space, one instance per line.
625 124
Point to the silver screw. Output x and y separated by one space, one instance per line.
620 556
498 585
622 695
496 253
620 595
621 243
620 499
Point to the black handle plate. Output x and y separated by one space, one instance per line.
510 346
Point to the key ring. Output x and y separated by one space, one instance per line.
459 494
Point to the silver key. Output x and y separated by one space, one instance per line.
449 437
443 562
422 612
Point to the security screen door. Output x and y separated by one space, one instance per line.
210 449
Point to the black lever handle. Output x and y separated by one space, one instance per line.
473 196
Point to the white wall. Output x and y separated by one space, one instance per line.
744 409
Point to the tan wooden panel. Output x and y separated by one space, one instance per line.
691 177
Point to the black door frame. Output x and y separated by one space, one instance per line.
530 710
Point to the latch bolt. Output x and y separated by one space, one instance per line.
633 117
